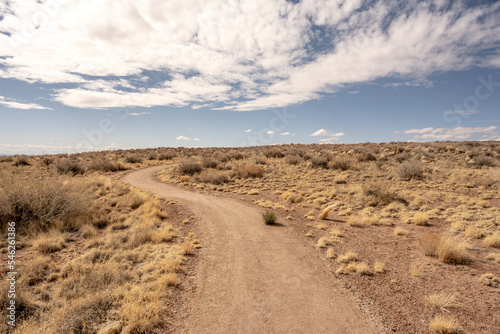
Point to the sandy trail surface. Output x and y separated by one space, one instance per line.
255 278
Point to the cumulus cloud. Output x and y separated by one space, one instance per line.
285 133
270 132
182 138
248 130
245 55
9 103
458 133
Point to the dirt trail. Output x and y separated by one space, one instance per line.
256 278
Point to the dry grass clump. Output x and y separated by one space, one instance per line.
37 203
474 232
449 249
247 171
360 268
417 271
342 270
421 219
442 302
348 257
379 267
325 212
494 257
323 242
444 324
493 240
330 253
292 197
355 221
401 231
50 242
379 194
410 170
430 243
209 162
489 279
189 168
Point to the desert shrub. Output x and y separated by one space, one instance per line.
22 160
152 156
106 165
379 194
133 159
37 203
410 170
166 156
293 159
366 156
69 165
483 161
260 160
46 160
210 163
319 162
235 155
274 153
269 217
189 168
6 159
248 171
340 163
214 177
400 157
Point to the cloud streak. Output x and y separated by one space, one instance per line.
458 133
9 103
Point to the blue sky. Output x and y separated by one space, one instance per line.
91 75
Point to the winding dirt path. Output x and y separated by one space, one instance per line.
256 278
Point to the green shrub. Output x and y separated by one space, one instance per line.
270 217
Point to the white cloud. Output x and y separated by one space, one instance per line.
324 133
285 133
330 136
245 55
182 138
138 113
270 132
458 133
248 130
9 103
196 139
